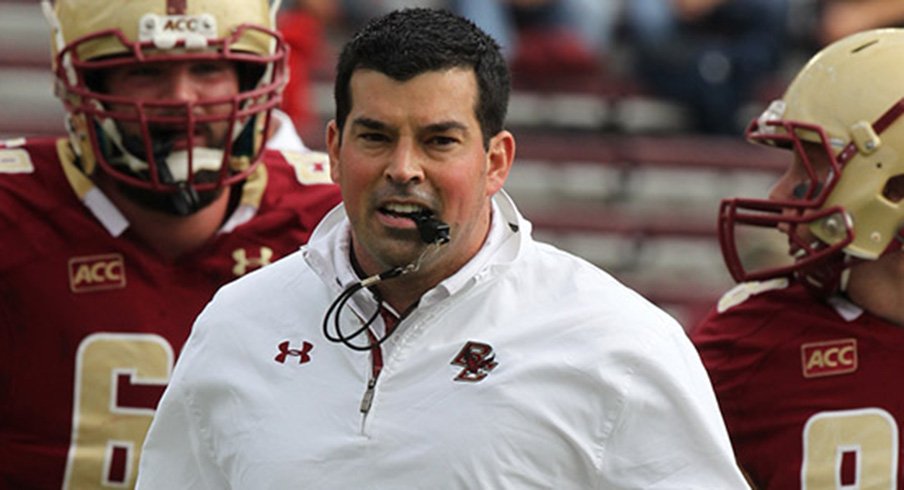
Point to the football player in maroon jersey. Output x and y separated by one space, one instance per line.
112 240
806 354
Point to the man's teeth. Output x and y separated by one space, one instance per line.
402 208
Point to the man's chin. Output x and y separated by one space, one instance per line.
404 253
179 203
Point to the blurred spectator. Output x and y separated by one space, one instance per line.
566 31
356 13
839 18
308 27
707 54
537 36
302 24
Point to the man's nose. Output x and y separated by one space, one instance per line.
777 192
405 164
179 85
784 188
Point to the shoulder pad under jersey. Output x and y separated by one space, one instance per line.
311 167
14 159
745 290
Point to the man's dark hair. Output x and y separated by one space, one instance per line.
408 42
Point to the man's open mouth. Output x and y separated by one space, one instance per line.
400 210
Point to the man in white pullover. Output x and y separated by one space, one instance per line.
422 339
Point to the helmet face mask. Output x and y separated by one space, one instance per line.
177 146
795 214
835 205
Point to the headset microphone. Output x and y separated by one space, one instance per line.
431 229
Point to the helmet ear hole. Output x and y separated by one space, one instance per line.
894 189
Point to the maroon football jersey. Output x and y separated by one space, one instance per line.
811 391
90 324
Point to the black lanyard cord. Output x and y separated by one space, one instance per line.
435 234
336 335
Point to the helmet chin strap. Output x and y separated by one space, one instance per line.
185 201
828 277
843 280
130 148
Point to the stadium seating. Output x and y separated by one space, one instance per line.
603 169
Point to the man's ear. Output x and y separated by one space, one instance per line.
333 143
500 156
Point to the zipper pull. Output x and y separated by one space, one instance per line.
368 396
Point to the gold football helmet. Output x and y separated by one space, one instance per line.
90 36
847 103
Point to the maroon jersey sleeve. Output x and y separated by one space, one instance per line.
297 193
91 324
809 396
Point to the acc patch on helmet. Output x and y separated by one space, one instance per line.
14 160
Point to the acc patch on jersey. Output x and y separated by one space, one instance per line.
15 160
828 358
97 273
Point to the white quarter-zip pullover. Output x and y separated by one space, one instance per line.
529 368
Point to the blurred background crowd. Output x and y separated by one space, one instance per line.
707 59
629 114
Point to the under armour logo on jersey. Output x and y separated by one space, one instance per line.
477 360
302 354
245 264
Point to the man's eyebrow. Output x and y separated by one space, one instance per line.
443 126
369 123
438 127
